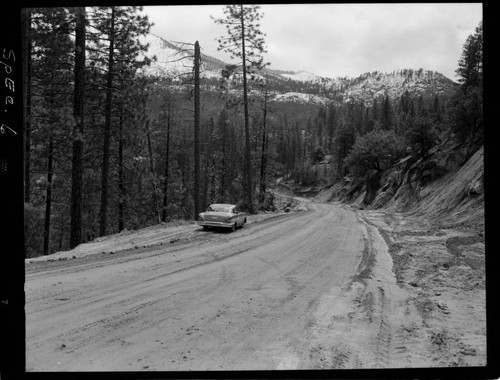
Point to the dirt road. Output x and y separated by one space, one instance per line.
312 289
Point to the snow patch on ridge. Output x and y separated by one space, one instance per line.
298 97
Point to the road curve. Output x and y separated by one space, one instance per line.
246 300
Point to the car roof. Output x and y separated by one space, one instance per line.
223 204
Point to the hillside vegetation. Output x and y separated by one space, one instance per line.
445 188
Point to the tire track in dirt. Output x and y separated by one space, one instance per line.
438 316
388 305
356 326
384 336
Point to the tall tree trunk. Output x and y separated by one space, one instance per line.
248 165
263 164
107 130
76 210
26 66
152 167
196 129
121 184
224 160
167 153
184 164
208 162
61 233
48 200
263 160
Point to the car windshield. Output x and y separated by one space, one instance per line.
220 208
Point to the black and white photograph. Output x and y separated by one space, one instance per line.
251 187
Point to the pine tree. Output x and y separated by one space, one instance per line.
265 100
50 86
117 39
196 193
421 135
465 110
245 41
167 110
470 65
386 114
330 126
26 67
78 131
405 102
436 110
209 174
345 139
107 126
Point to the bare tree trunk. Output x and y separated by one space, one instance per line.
167 153
152 170
61 233
107 130
48 201
121 184
248 165
263 161
76 211
208 162
224 160
196 129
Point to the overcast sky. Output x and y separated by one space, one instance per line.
335 40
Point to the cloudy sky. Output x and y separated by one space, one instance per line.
335 40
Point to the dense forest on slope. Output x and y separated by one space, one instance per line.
111 146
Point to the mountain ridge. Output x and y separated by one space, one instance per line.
174 60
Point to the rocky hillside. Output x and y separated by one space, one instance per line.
417 82
174 60
447 188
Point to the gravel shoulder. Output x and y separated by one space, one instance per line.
441 272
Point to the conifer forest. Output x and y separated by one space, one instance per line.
109 146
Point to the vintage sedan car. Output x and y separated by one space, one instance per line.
222 215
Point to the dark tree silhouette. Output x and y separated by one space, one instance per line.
245 41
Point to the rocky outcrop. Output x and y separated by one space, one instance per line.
445 186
